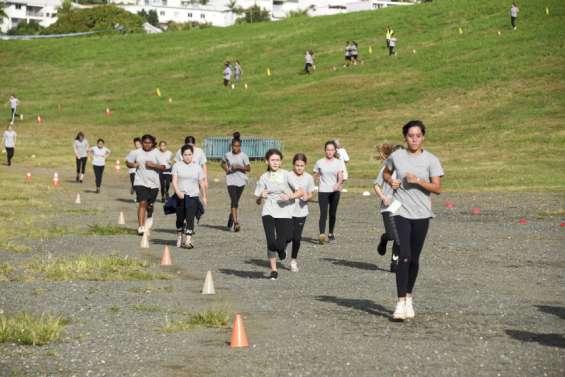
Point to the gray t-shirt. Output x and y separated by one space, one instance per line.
9 139
328 170
305 182
99 155
198 156
416 202
236 178
131 154
145 176
514 11
81 148
189 176
277 184
165 159
387 190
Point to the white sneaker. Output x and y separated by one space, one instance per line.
400 311
179 240
140 231
149 223
293 265
409 308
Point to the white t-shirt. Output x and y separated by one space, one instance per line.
343 154
165 159
227 73
131 154
277 184
387 190
10 139
81 148
146 177
236 178
306 183
514 11
198 156
13 102
99 155
328 170
189 176
392 42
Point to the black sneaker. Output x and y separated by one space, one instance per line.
77 178
382 245
230 222
274 275
282 255
331 238
131 191
236 227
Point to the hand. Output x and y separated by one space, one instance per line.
411 178
180 195
395 184
205 201
284 197
338 187
387 200
265 194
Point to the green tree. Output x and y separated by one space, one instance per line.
255 14
26 28
2 12
152 17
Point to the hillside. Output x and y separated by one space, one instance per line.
494 104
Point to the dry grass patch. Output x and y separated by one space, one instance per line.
31 330
209 319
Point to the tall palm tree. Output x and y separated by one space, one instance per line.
2 13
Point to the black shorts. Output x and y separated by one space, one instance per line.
348 58
146 194
226 82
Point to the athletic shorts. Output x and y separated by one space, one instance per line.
348 58
226 82
146 194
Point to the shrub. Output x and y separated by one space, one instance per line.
106 17
25 28
254 14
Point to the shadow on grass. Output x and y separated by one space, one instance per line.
367 306
159 241
558 311
354 264
265 263
550 340
243 274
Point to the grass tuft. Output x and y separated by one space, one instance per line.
209 318
108 230
32 330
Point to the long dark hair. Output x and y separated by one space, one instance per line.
79 135
272 152
414 123
236 137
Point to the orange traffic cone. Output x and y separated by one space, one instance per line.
55 179
39 119
28 177
238 338
522 221
166 258
108 112
449 204
476 211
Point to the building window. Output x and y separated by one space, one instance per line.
18 6
162 13
164 3
202 15
190 15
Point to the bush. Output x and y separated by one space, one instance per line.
25 28
152 17
106 17
177 26
254 14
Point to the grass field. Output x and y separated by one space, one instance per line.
493 103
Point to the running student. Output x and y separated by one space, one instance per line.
80 147
304 182
354 53
236 165
188 183
146 182
418 175
384 193
392 45
389 33
99 155
198 156
342 154
278 194
9 143
309 61
347 54
227 74
14 102
131 171
329 170
238 71
514 15
165 157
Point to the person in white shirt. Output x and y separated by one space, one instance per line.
514 15
309 61
14 102
343 156
392 45
99 154
227 74
198 156
238 71
9 143
165 158
80 147
131 171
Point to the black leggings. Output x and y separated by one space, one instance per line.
278 233
81 165
132 178
98 172
165 180
186 211
411 235
390 231
235 193
297 227
9 155
390 50
513 21
325 200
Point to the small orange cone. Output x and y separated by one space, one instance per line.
39 119
121 219
55 179
108 112
562 225
449 204
238 338
476 211
522 221
166 257
28 177
117 167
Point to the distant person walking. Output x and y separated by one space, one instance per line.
514 15
99 155
227 74
329 171
354 53
131 171
80 147
188 183
384 193
165 158
9 143
304 182
14 102
238 71
347 54
309 61
418 175
389 33
392 45
276 192
236 165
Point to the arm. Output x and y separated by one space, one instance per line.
224 166
204 192
434 186
74 149
154 165
394 183
380 194
179 193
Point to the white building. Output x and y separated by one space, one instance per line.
43 12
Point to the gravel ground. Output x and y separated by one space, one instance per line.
489 299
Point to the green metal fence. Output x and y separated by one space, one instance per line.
254 147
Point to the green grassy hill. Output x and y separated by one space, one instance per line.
494 104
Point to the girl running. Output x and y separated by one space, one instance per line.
99 154
303 181
146 182
309 61
278 195
81 148
188 183
227 74
9 143
131 171
384 193
329 170
392 45
14 102
236 165
165 157
342 154
354 53
238 71
418 174
347 54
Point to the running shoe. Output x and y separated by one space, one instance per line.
293 265
188 245
410 307
179 240
149 222
393 263
382 245
140 231
282 255
274 275
236 227
77 178
98 190
400 311
131 191
230 222
81 178
322 239
331 238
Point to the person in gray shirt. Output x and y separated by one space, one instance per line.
236 165
80 147
418 174
277 195
514 15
